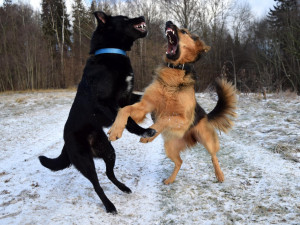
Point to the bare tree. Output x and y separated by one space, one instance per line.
241 19
183 12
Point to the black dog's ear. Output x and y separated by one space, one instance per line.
101 17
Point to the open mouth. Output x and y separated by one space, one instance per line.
172 41
141 27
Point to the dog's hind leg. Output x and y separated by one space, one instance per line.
218 171
103 148
82 158
59 163
207 136
173 148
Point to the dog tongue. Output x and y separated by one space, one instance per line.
171 49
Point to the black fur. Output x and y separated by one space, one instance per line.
221 105
199 113
106 86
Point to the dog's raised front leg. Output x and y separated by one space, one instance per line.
137 112
177 123
118 126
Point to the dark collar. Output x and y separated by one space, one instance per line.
110 50
187 67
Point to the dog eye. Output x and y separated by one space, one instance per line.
183 31
126 19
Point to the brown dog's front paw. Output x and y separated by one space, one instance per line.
114 134
146 140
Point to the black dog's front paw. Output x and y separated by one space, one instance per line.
149 133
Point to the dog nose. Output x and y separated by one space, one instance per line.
169 23
142 17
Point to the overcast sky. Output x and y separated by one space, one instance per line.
259 7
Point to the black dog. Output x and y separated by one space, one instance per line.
106 86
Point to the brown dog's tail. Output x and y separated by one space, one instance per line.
219 117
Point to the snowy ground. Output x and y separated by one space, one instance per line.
259 157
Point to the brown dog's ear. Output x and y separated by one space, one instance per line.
206 48
203 47
101 17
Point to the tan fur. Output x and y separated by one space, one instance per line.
171 97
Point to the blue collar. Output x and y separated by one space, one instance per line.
110 50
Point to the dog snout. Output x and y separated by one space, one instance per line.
169 23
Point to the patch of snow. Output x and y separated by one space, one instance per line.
259 157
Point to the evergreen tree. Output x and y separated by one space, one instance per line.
82 32
92 20
79 21
284 21
56 25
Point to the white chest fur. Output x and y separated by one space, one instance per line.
129 80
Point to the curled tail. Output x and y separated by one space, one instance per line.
59 163
219 117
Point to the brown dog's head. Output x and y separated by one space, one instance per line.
183 47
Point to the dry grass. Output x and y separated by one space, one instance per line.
287 151
287 94
21 100
39 91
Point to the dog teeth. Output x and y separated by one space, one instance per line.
170 40
141 26
170 31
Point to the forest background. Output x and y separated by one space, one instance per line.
48 49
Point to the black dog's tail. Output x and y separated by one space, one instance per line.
59 163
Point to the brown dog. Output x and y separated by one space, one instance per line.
171 98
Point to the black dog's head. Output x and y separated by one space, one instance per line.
183 47
117 31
